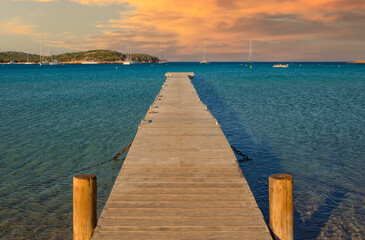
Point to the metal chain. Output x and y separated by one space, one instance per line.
123 151
244 157
49 181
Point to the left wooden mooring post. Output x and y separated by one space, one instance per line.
84 206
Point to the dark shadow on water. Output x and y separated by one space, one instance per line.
264 164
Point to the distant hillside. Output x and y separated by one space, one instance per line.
106 56
18 57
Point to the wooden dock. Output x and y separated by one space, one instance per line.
180 179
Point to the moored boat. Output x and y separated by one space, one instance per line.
280 65
162 58
205 60
89 62
129 59
55 62
27 62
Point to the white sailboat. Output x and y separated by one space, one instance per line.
205 60
27 62
128 61
162 58
41 63
54 62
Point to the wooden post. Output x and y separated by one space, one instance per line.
281 206
84 206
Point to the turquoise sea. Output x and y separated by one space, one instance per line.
307 120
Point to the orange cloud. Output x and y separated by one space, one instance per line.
223 25
17 27
98 2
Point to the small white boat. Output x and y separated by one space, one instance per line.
205 60
280 65
11 62
89 62
55 62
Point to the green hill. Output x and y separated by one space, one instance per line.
96 55
17 57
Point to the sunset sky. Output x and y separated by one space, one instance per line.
293 30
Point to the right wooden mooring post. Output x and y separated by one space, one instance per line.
281 206
84 206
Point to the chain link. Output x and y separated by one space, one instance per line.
123 151
244 157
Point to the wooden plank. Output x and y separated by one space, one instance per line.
184 228
161 212
183 205
178 221
180 179
190 191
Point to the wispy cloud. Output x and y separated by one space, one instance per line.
15 26
99 2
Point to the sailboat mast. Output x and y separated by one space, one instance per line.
40 51
204 53
48 54
162 52
249 59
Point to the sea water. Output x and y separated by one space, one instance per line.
306 120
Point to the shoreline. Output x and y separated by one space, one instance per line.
357 62
100 62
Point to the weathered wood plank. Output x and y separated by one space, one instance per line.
215 205
180 179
